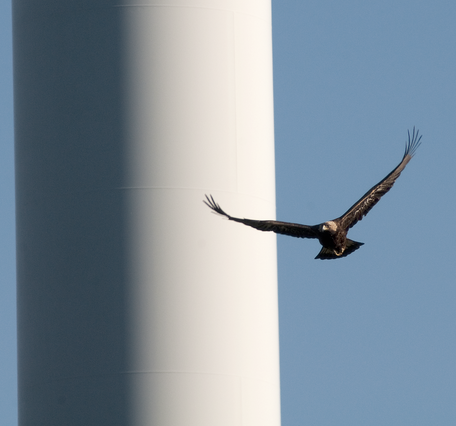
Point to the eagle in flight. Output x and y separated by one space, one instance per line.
333 234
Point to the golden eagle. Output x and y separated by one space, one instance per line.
333 234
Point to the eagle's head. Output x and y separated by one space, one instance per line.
329 226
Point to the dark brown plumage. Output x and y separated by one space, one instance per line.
333 234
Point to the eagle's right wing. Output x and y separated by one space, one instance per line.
360 209
285 228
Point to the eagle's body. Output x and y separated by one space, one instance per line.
333 234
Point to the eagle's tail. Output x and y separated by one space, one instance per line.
326 253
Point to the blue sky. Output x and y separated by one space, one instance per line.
368 339
8 383
371 338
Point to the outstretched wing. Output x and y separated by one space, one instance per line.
371 197
291 229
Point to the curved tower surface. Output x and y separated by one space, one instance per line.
136 306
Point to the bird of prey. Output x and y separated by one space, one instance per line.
333 233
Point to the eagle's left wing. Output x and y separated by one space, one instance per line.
371 197
285 228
